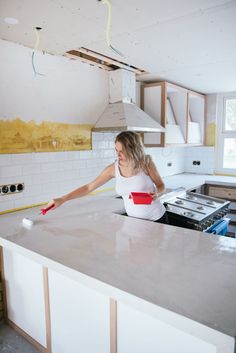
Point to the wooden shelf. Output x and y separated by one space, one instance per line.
179 110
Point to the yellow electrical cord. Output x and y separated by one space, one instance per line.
108 28
22 208
36 30
37 38
45 203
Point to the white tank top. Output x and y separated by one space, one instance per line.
140 182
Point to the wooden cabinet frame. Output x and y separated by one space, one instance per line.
164 86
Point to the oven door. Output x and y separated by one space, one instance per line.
220 227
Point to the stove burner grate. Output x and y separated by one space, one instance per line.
188 214
179 202
210 202
190 197
200 208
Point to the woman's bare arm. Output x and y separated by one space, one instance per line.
156 178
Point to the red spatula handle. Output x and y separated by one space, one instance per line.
45 210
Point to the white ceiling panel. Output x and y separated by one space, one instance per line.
186 41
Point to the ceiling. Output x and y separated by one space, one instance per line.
189 42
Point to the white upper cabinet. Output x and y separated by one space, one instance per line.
179 110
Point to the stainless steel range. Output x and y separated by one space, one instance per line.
195 211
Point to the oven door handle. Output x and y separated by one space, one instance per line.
220 227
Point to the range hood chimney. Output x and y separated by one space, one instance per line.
122 113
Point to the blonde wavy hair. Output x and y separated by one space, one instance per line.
134 149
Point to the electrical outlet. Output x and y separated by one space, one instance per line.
196 162
169 164
8 189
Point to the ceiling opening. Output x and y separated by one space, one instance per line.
93 58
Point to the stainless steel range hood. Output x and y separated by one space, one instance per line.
121 113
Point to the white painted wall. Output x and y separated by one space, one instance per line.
69 91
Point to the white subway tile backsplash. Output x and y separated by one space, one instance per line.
12 197
111 145
5 159
108 153
65 176
66 165
80 164
42 178
51 167
205 155
97 136
95 145
32 200
9 171
57 156
86 154
73 155
97 154
103 144
92 163
87 172
21 158
16 179
40 157
49 189
31 169
31 190
48 175
110 136
6 205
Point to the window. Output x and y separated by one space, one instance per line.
230 114
226 134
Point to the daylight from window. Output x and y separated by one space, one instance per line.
230 126
229 153
230 114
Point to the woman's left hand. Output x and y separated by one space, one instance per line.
154 195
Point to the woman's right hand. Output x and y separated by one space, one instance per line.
55 202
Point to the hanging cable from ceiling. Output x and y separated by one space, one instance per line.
36 30
108 28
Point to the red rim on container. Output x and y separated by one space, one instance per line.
141 198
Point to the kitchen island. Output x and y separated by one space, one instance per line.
86 279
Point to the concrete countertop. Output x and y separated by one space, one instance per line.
191 181
181 270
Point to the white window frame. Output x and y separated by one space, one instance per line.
222 134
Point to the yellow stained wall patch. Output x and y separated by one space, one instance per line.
18 136
211 134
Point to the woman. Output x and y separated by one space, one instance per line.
134 172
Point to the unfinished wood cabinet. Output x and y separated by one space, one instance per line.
222 192
179 110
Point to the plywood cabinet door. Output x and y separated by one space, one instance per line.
221 192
